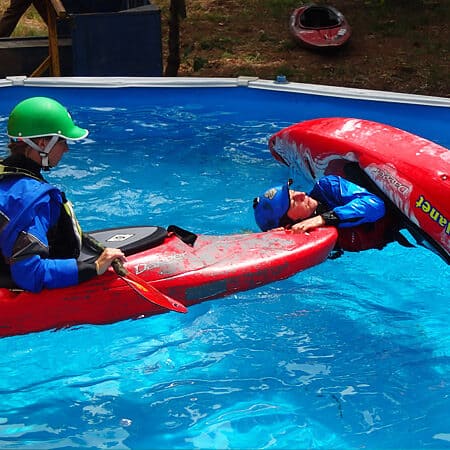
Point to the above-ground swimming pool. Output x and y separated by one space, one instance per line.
352 353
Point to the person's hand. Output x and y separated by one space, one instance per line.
308 224
107 257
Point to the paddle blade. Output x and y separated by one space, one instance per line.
153 295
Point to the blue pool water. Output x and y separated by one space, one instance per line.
349 354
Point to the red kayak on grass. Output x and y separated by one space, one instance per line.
318 27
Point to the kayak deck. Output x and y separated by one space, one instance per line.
215 266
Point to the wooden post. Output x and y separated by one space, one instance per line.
59 9
53 49
55 10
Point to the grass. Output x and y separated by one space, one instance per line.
30 24
396 45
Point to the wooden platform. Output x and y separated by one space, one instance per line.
123 43
21 56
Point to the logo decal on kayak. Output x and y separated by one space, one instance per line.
119 237
169 264
426 207
387 178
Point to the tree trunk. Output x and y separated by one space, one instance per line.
177 12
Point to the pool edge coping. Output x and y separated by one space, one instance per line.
242 81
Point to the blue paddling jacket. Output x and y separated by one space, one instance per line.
350 204
39 236
360 216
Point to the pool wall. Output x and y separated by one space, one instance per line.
425 116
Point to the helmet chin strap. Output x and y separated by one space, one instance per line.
43 152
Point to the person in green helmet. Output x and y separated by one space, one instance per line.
40 238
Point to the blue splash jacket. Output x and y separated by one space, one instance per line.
40 239
352 204
29 209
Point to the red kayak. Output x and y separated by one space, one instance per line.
188 270
409 172
319 26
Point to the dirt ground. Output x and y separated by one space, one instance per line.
397 45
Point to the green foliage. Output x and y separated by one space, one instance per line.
199 63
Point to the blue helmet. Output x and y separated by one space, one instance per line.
270 207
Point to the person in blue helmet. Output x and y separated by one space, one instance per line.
359 215
40 238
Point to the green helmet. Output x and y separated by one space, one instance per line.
42 116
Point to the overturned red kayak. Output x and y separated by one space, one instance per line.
189 272
411 173
319 26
